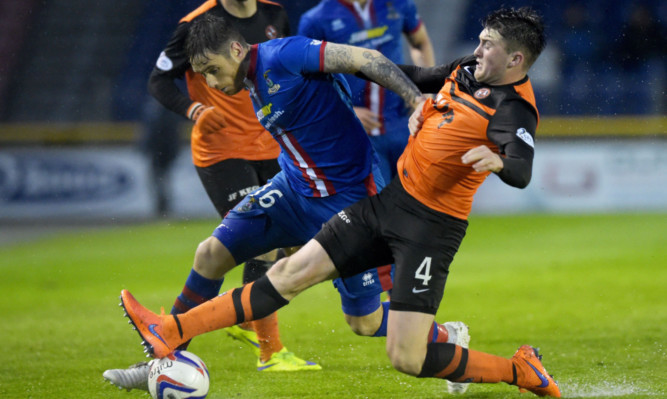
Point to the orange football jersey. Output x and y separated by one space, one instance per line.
459 119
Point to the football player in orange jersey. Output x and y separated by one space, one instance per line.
379 25
482 121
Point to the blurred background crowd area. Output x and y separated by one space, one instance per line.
88 61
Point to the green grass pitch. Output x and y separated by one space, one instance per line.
590 291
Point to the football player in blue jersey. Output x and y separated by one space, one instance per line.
377 25
327 160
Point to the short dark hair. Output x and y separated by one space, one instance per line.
210 34
521 28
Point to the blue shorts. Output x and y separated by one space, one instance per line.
360 294
275 216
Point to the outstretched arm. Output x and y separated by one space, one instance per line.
421 49
370 65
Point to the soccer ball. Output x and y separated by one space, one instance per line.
179 375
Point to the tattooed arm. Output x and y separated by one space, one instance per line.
371 65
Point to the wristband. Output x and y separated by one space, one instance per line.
195 110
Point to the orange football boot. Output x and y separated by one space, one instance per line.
156 331
531 374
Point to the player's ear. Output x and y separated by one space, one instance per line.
516 58
236 49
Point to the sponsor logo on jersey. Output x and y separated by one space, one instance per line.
525 136
272 119
163 62
368 34
482 93
264 111
442 105
440 102
315 42
271 32
337 24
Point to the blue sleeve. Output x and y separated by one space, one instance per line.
308 27
301 55
411 20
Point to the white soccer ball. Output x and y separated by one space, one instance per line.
179 375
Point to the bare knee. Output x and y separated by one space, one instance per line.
367 325
212 259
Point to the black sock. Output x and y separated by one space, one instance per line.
264 299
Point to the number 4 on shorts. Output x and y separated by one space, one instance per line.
424 271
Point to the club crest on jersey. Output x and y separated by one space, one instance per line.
271 32
391 11
273 88
482 93
164 63
337 24
525 136
245 207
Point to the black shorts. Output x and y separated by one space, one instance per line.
229 181
393 227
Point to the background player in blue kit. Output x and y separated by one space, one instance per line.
377 25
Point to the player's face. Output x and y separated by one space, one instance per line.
493 60
221 72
